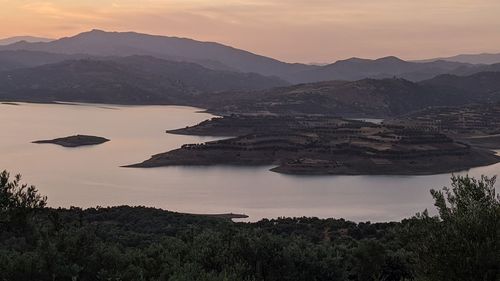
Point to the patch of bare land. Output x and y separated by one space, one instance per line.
228 216
477 124
239 125
324 145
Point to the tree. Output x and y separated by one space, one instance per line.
461 243
17 200
369 260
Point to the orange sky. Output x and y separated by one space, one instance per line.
290 30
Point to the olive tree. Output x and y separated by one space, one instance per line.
17 200
461 242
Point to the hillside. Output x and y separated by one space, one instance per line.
478 87
129 80
465 71
367 97
22 59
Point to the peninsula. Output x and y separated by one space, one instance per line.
323 145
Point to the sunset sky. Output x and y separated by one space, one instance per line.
289 30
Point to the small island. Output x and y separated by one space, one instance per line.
76 141
10 103
324 145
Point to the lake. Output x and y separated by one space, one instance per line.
91 176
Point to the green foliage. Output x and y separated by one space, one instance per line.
138 243
17 200
14 195
461 243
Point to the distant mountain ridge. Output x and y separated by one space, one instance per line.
208 54
484 58
387 67
220 57
32 39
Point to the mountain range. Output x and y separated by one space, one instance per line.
32 39
208 54
98 43
134 68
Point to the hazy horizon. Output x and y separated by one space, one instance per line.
319 31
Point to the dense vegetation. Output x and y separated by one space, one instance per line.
137 243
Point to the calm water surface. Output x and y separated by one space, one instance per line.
91 176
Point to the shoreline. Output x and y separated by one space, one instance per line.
489 158
197 109
74 141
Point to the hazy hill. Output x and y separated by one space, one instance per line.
479 87
472 58
366 97
22 59
388 67
11 40
128 80
465 71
